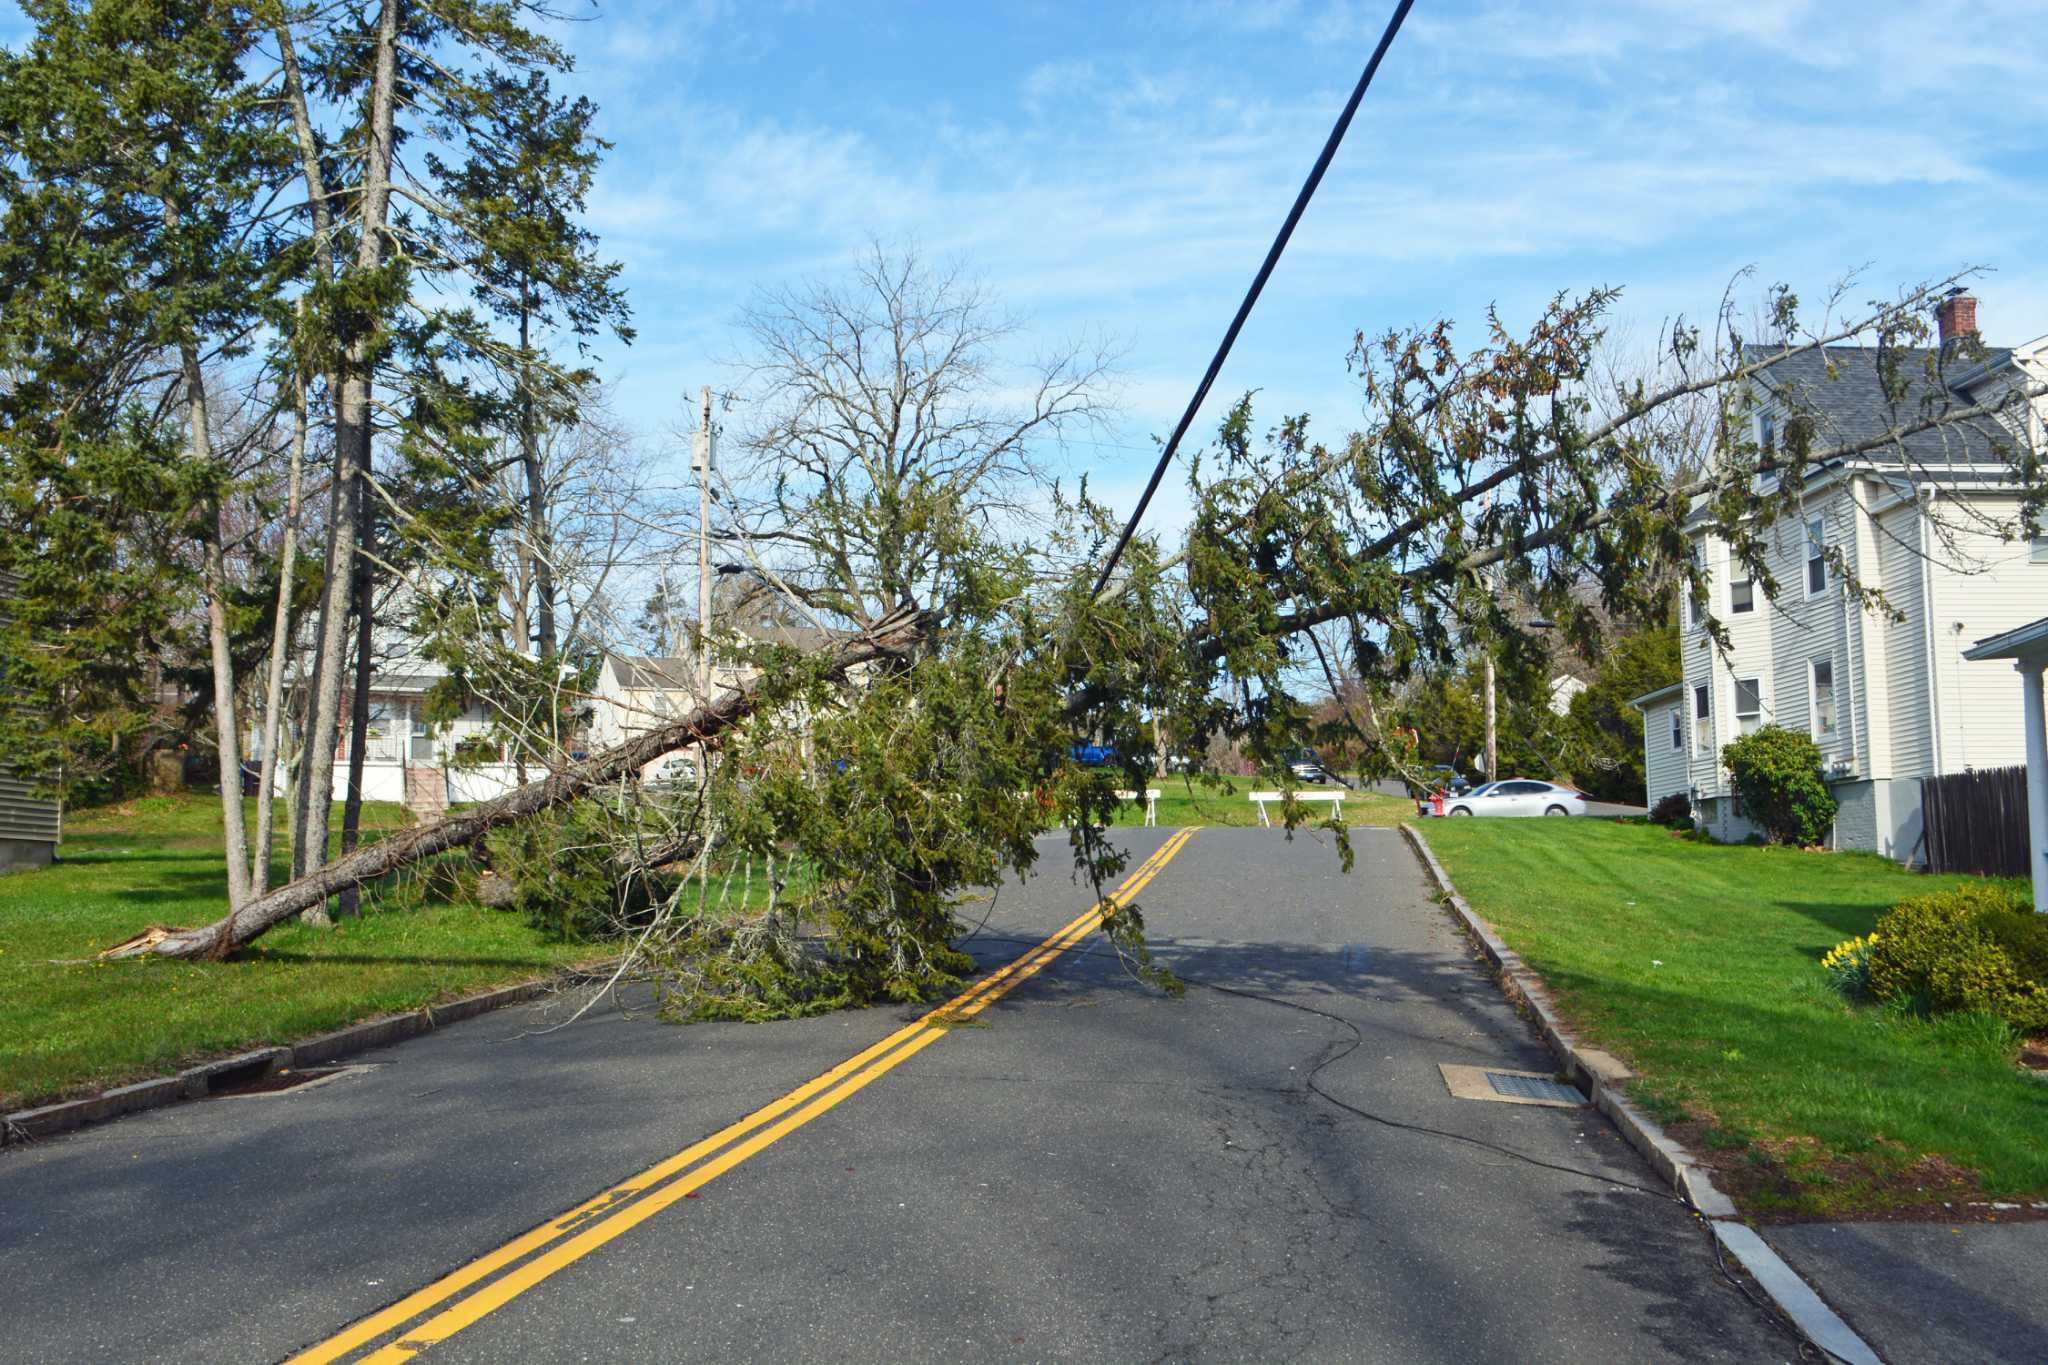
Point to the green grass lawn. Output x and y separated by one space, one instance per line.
1198 801
1698 965
70 1027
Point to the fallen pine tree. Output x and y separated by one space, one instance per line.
890 638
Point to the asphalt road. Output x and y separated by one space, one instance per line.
1085 1170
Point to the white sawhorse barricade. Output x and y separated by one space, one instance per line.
1151 803
1336 800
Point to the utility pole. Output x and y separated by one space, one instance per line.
1492 596
1492 759
703 463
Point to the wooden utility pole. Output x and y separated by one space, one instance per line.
1493 594
1492 753
703 463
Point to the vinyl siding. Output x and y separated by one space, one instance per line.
1808 628
1983 587
1664 767
1749 655
23 815
1903 578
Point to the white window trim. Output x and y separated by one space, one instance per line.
1813 729
1695 612
1815 549
1678 728
1702 726
1735 702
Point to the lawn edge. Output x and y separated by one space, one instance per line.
1603 1075
196 1082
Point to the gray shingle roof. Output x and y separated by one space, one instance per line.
1842 386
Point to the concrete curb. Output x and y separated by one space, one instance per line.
1603 1076
197 1082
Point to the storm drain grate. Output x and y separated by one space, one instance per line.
1520 1087
1508 1087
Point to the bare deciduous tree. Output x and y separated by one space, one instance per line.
883 420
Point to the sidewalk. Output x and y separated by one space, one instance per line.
1930 1293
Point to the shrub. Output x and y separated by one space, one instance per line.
1777 773
2023 933
1672 810
1948 951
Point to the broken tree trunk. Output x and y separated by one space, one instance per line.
888 638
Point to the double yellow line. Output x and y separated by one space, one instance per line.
562 1241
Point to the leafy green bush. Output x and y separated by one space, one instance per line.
1674 810
1947 951
2023 933
1777 773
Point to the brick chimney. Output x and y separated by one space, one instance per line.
1956 316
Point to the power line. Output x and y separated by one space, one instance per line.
1308 189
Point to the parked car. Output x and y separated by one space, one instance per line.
676 771
1448 780
1307 767
1518 796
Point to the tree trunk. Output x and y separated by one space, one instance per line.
351 464
538 541
280 642
893 637
226 716
366 668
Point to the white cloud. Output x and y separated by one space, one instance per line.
1507 152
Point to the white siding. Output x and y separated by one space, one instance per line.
1663 766
1749 655
1814 627
1903 577
1982 587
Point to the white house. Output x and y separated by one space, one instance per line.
1888 701
635 694
405 757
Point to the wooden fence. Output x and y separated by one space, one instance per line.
1977 822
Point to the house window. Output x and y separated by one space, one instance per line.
422 736
1677 728
379 744
2039 554
1749 705
1816 557
1702 711
1823 698
1741 588
1694 614
1767 432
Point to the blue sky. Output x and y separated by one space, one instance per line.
1120 168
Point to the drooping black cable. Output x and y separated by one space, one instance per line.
1308 189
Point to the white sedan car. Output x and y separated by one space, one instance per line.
1518 796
